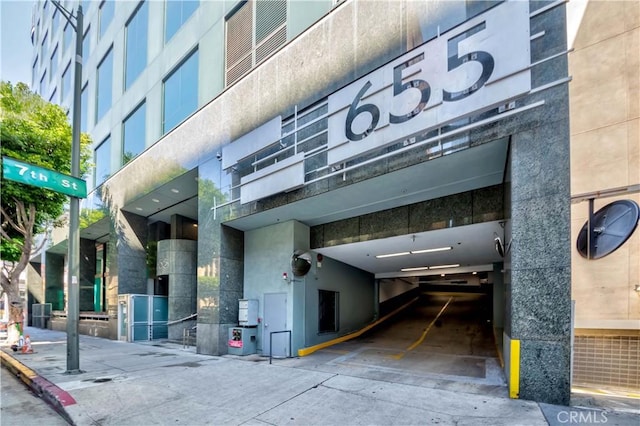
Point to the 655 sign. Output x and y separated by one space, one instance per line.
33 175
475 66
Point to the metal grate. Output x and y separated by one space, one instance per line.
247 44
270 15
239 42
607 361
271 44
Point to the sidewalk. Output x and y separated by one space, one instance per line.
164 383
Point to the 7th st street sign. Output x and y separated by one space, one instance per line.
33 175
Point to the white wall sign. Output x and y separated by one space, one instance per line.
476 66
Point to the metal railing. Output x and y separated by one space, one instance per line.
271 343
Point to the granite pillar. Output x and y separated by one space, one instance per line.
177 264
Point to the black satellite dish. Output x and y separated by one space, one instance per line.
300 263
611 226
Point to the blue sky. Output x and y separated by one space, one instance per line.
15 40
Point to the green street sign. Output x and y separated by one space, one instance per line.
33 175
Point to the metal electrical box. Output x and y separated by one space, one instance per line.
248 312
242 341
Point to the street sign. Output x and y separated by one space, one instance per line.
33 175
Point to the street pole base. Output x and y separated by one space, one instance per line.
76 371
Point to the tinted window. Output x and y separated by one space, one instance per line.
176 13
180 92
53 69
136 53
104 83
106 15
133 134
66 82
84 108
68 37
86 43
101 158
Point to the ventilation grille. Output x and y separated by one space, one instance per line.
607 361
270 15
239 43
271 44
269 33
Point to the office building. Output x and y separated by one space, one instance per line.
257 163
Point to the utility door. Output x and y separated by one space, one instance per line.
275 319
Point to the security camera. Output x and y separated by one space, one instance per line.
219 155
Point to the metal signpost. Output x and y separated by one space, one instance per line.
73 311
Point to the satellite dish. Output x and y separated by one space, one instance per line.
612 226
300 263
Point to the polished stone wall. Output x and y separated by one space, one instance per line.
540 257
177 263
466 208
87 274
54 281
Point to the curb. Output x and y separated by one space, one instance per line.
56 397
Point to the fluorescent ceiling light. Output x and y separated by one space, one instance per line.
420 268
433 250
403 253
444 266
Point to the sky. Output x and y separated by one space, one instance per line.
15 40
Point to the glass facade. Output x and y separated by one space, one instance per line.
136 47
104 85
133 133
66 86
84 108
176 13
101 160
86 43
107 9
180 93
67 40
43 84
53 68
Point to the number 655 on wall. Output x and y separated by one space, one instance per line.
475 66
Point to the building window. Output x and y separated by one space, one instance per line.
248 44
102 159
176 14
86 43
99 282
33 72
133 134
53 68
136 49
328 311
84 108
180 92
67 41
105 16
53 98
66 82
104 85
55 20
43 47
43 83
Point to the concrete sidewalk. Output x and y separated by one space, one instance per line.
164 383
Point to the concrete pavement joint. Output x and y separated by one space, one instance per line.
294 397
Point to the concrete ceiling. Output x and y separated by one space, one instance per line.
472 246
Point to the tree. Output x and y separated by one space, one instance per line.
37 132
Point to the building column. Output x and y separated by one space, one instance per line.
220 265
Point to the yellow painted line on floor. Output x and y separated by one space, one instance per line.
312 349
424 333
514 370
